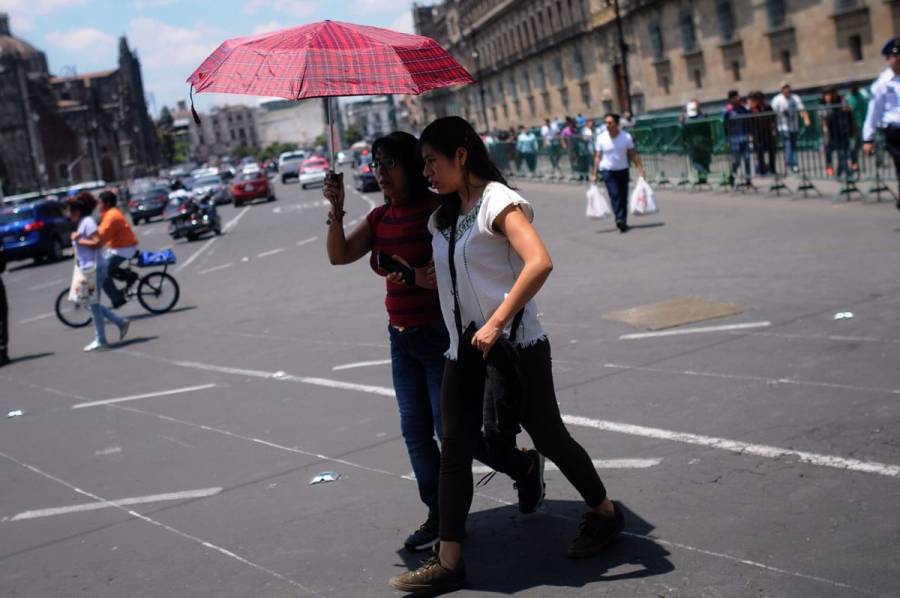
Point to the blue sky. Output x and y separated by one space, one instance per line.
172 37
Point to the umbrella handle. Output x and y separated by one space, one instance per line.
329 119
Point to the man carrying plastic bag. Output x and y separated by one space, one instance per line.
597 203
613 152
642 200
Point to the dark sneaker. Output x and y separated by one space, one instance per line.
531 487
431 578
595 533
425 537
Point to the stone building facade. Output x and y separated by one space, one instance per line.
222 131
56 131
537 59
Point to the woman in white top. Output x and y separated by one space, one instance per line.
500 264
613 150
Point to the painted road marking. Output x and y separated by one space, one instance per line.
36 318
751 378
272 252
360 364
231 224
169 528
47 285
163 393
724 328
136 500
598 464
222 267
306 241
726 444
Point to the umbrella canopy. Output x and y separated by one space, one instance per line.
328 58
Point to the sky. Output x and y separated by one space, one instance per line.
172 37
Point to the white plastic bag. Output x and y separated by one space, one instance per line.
642 200
597 203
84 286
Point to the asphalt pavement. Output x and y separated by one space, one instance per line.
756 455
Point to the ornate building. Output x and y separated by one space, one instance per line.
56 131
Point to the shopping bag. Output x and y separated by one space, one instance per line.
83 287
597 203
642 200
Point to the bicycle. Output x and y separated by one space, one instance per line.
157 291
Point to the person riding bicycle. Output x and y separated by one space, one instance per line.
120 245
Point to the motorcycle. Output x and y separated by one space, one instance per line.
191 216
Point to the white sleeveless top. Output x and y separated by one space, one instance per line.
486 266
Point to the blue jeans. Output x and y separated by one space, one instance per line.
417 366
789 139
101 312
740 150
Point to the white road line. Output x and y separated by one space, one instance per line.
36 318
231 224
169 528
110 450
306 241
271 252
162 393
598 464
892 391
137 500
47 285
737 446
360 364
826 337
222 267
724 328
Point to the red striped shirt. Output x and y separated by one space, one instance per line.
403 231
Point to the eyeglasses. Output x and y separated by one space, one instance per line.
387 163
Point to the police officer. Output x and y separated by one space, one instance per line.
884 107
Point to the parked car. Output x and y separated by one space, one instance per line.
313 171
344 157
251 185
148 203
289 165
212 187
38 230
363 175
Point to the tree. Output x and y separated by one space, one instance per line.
320 141
167 145
352 134
273 149
165 118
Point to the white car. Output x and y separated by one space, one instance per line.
313 171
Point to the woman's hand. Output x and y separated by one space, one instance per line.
333 190
75 236
486 337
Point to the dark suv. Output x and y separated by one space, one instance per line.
38 230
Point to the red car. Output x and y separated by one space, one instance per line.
248 186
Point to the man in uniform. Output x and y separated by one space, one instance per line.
884 107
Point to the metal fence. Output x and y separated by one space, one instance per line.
811 152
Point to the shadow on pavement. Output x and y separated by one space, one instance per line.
144 316
507 552
648 225
133 341
21 358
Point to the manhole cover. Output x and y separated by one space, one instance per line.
674 312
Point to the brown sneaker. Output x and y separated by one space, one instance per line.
595 533
431 578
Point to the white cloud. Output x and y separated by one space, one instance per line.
379 7
83 41
404 23
23 13
164 46
144 4
267 27
294 8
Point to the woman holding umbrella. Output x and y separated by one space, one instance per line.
418 338
489 263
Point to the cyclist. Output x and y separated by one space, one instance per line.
120 245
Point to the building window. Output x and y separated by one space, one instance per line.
558 70
546 97
541 78
725 19
666 85
637 103
698 79
526 81
578 63
608 106
493 113
564 97
656 41
842 5
688 34
513 90
586 94
736 70
855 43
786 61
501 97
559 13
518 108
531 106
777 13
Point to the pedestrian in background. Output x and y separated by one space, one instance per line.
527 148
86 242
884 107
836 122
568 137
119 245
790 110
550 143
418 337
697 136
763 129
490 262
858 101
4 313
736 123
613 151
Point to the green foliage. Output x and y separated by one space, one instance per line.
243 151
166 145
320 141
352 134
273 149
182 151
165 117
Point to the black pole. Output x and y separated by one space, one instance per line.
623 56
481 92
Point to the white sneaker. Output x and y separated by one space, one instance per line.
123 330
96 346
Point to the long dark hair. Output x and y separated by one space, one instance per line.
404 148
446 135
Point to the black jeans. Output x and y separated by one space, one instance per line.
115 271
617 187
4 319
461 414
892 145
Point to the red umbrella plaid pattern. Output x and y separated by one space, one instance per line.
329 58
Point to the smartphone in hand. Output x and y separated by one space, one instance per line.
389 264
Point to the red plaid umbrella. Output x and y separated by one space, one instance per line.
325 59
